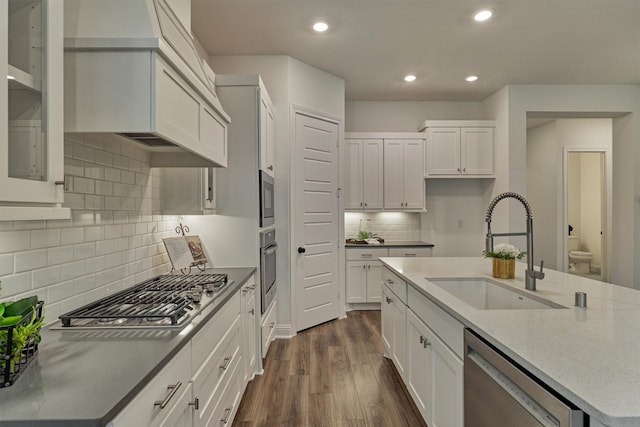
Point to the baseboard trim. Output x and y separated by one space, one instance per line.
364 306
283 331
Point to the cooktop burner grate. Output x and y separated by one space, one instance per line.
161 301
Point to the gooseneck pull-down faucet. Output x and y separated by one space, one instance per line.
530 274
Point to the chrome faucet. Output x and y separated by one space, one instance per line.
530 274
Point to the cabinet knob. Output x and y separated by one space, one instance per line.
458 169
361 203
252 311
301 250
270 167
389 300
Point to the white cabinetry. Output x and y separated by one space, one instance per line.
364 274
188 191
249 328
394 320
403 174
411 251
364 167
462 149
31 104
267 133
268 328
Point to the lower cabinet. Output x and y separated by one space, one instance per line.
394 324
363 281
203 384
425 344
434 376
268 328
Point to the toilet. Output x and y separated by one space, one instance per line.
579 261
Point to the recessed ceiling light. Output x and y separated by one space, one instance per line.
471 78
483 15
320 27
9 77
409 78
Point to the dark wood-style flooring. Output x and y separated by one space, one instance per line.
333 374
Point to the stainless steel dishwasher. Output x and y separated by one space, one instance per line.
499 393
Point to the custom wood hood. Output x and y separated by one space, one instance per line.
131 68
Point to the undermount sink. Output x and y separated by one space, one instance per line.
486 294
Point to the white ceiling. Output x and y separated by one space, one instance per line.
373 43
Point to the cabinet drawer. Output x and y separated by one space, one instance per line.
359 254
211 334
213 374
268 328
395 284
168 386
442 323
227 406
410 252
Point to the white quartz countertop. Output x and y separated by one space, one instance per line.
589 355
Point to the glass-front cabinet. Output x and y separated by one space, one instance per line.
31 110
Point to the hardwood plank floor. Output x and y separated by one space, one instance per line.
331 375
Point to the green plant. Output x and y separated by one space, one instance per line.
504 251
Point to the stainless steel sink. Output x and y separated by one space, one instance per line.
486 294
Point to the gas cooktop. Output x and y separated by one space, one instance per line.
167 301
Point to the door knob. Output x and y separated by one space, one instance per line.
301 250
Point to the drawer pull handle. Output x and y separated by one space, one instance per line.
421 339
389 300
367 255
195 404
272 324
251 311
426 343
227 362
172 390
409 254
227 415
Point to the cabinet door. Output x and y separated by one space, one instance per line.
372 177
188 191
443 151
31 121
413 176
267 136
387 321
447 387
393 174
419 366
399 345
476 151
250 335
353 174
356 281
374 281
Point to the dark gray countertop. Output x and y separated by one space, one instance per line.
85 378
392 244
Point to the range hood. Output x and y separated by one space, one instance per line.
131 68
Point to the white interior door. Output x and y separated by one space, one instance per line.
316 222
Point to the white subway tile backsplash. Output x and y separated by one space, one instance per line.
45 238
120 162
16 284
28 225
103 158
82 218
73 201
25 261
59 291
84 251
83 185
113 260
6 264
73 167
72 270
59 255
46 276
94 265
72 235
104 217
391 226
93 233
111 174
104 247
128 177
14 241
93 202
83 152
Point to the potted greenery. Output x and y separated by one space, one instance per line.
504 257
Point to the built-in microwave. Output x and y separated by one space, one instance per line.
266 200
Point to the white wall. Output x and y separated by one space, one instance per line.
406 116
112 241
619 101
590 206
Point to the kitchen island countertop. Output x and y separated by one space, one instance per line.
84 378
590 356
392 244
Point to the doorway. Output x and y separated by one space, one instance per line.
585 212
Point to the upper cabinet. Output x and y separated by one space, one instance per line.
267 134
364 167
189 191
459 149
384 171
31 105
403 174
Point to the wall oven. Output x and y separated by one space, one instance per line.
268 247
266 200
